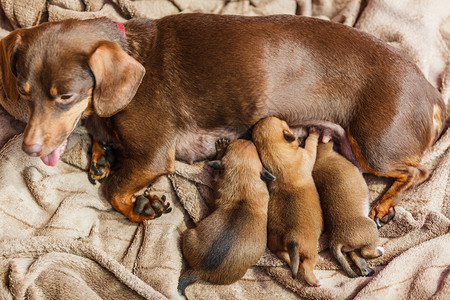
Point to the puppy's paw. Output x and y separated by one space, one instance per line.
367 271
151 206
222 144
102 160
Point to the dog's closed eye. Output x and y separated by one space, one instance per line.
289 137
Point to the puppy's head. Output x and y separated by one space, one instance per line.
273 132
241 157
65 71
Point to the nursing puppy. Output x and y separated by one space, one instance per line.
230 240
295 216
344 197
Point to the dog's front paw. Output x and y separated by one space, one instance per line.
102 160
151 206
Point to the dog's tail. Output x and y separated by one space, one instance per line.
189 277
343 261
294 257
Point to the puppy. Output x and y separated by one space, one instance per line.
230 240
344 198
295 216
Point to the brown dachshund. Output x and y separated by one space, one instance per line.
344 197
169 88
230 240
295 217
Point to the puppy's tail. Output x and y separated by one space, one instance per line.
343 261
189 277
294 257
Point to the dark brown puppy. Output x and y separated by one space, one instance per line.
295 216
230 240
211 76
344 197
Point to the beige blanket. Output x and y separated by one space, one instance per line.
60 239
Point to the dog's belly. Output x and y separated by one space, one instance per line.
199 144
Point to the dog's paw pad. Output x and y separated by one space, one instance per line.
151 206
149 211
101 162
140 204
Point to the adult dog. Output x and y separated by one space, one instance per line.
171 87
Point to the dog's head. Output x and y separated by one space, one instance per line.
65 71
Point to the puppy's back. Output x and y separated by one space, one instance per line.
342 188
230 240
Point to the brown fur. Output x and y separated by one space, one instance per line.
344 197
295 216
211 76
230 240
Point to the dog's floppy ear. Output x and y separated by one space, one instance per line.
289 137
117 78
9 81
267 176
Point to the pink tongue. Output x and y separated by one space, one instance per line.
53 158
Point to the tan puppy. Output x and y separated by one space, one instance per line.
344 198
230 240
295 216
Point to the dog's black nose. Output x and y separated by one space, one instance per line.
32 150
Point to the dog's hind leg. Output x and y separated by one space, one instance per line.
372 251
360 262
406 173
382 211
307 271
337 252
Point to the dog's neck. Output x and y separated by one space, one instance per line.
139 35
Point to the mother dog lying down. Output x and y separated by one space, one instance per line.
169 88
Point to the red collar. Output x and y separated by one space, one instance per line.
120 26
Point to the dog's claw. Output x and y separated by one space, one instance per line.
91 179
377 221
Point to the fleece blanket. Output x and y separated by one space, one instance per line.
60 238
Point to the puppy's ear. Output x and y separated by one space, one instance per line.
7 47
215 164
117 78
288 136
266 175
